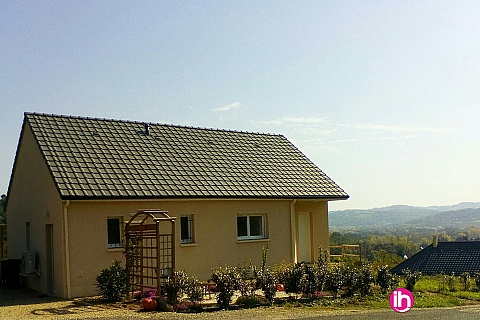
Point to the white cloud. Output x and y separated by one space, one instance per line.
398 128
372 139
227 107
272 122
319 130
305 120
294 120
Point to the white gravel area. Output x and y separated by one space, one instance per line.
70 310
55 310
25 304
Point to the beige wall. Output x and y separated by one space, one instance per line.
33 198
216 242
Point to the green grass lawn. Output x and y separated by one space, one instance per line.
422 300
428 293
433 291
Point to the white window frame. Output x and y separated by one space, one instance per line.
263 227
120 224
191 228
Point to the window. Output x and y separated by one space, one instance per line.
114 226
250 227
186 229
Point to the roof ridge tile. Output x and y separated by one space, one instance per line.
151 123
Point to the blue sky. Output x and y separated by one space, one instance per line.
382 95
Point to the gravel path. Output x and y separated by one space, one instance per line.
67 310
24 304
71 310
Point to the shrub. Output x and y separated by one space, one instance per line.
477 281
247 286
112 282
442 283
175 286
250 301
193 289
267 279
365 279
321 269
410 278
334 280
350 281
308 282
451 282
247 282
268 283
385 280
226 280
301 278
465 280
291 277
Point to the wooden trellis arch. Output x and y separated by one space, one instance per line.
150 249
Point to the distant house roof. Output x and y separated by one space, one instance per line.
91 158
447 257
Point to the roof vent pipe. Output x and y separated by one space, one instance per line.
435 240
147 129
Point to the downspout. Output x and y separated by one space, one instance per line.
67 250
293 229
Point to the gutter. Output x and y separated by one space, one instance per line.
66 247
199 197
293 230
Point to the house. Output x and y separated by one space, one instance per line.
76 181
454 257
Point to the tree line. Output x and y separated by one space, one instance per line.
391 246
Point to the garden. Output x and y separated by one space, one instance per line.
319 285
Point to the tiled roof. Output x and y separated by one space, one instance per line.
447 257
102 158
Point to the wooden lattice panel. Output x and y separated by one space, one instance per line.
150 255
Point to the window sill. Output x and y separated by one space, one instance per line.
193 244
120 249
253 240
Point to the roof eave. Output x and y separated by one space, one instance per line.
93 198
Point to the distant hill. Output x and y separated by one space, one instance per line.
462 205
460 215
455 218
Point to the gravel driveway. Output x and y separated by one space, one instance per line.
24 304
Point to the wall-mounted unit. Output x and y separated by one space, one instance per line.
28 263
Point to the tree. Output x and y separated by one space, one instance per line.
3 217
383 257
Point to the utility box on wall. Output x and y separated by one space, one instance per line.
28 263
